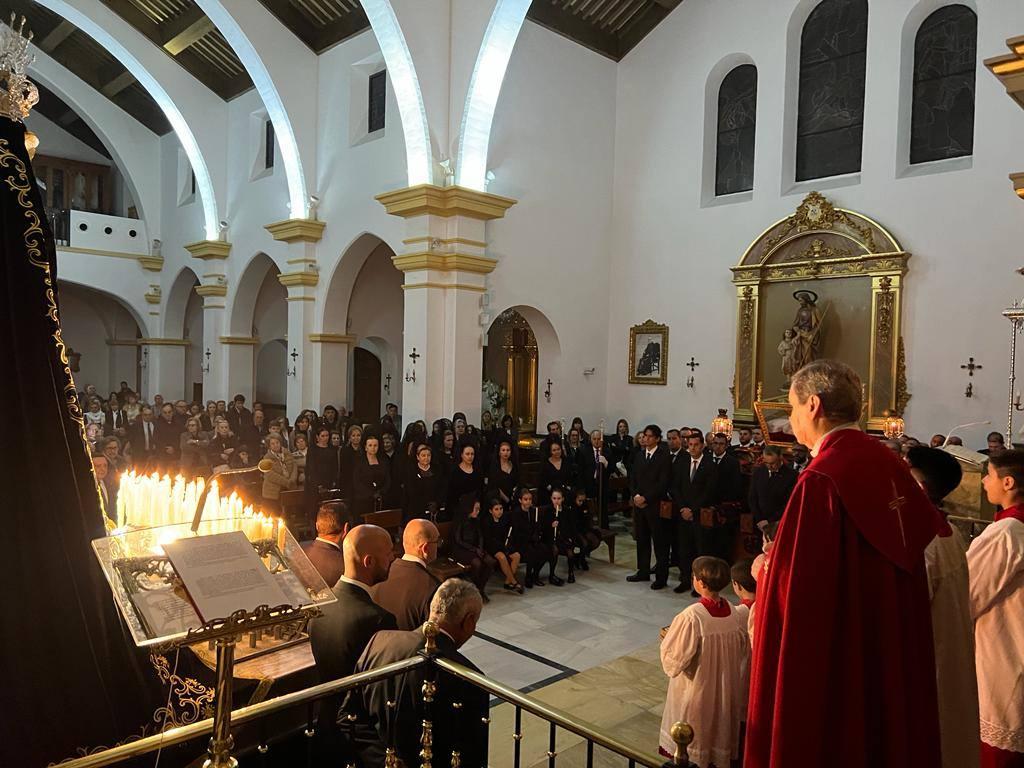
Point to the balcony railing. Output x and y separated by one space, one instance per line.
556 719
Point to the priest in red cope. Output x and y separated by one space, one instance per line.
843 672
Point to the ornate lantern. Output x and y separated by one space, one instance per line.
721 424
893 426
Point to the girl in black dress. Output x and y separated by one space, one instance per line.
587 536
563 535
503 476
369 478
421 496
468 543
556 472
536 539
351 454
501 543
464 479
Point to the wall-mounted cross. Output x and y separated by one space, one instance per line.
971 366
387 383
414 356
693 365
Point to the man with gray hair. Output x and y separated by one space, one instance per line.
458 709
843 614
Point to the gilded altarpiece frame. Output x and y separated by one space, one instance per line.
820 242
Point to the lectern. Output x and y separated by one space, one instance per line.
167 579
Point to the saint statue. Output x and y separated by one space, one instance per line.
787 351
806 334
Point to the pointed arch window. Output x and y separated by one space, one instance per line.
737 112
830 115
945 57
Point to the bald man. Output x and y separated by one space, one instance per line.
410 585
340 635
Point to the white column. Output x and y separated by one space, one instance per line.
332 353
445 264
165 360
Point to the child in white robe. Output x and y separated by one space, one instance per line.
945 559
745 587
995 560
706 655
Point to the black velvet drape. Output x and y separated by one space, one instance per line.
70 678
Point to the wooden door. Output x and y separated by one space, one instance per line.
366 386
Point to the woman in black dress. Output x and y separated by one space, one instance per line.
351 454
501 543
621 443
503 476
445 459
563 534
468 543
370 480
536 537
573 452
421 496
556 472
464 480
321 470
587 537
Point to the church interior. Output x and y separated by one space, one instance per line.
585 304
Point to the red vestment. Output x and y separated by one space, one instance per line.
843 671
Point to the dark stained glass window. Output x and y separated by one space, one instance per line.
378 99
268 145
830 116
945 55
737 112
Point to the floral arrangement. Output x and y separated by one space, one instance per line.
495 398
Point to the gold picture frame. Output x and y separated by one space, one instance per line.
773 419
651 365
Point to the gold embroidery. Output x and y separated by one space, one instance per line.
195 700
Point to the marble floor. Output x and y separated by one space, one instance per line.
589 648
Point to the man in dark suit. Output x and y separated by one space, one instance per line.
142 439
239 417
650 476
595 469
339 636
693 490
167 433
730 492
455 610
770 488
410 585
324 552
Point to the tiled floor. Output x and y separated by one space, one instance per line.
589 648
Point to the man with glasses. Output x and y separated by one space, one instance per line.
649 482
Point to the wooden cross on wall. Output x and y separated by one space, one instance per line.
693 364
971 366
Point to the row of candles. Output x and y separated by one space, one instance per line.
154 501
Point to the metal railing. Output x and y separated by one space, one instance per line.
556 718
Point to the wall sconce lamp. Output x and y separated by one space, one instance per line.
387 384
293 371
144 361
589 371
206 365
547 392
414 356
689 382
893 426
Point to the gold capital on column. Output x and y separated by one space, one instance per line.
428 199
209 249
297 230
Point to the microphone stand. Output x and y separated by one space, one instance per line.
264 466
961 426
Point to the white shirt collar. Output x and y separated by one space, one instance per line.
329 542
355 583
817 445
414 559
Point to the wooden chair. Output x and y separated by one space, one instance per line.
616 485
608 537
444 567
293 510
391 521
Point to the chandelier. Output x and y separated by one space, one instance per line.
721 424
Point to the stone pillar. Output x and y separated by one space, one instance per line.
301 280
165 366
332 354
239 366
445 262
213 287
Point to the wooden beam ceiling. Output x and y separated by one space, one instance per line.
609 27
320 24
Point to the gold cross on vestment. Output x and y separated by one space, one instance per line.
896 505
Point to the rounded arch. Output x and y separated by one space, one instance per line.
180 125
176 306
338 297
247 290
712 87
519 370
78 284
113 135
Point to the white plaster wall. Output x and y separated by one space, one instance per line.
57 142
377 314
194 359
671 256
89 320
552 149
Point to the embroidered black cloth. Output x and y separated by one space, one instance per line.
70 679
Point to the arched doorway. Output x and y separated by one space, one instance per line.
271 376
101 335
366 383
259 311
510 370
183 319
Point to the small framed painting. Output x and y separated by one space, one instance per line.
648 353
773 418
